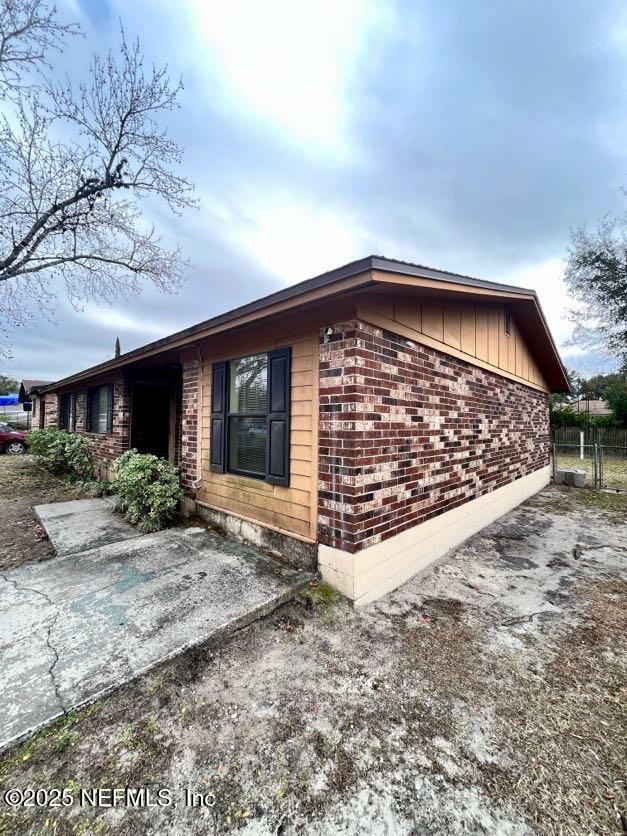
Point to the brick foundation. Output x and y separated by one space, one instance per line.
407 433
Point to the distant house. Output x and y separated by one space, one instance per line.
364 421
594 407
29 398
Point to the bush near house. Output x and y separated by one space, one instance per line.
148 490
62 453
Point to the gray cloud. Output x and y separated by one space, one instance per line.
481 135
488 132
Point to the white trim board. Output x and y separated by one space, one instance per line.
369 574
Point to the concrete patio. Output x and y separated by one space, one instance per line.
76 627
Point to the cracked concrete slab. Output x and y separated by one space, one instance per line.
75 628
83 524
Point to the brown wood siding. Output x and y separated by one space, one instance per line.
292 509
474 331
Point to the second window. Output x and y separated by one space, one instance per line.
246 415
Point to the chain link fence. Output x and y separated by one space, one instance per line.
605 465
577 457
613 467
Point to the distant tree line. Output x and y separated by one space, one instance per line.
8 385
611 388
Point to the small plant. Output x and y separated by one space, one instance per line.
148 490
63 740
62 453
97 487
319 596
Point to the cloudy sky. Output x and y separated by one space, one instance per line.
470 136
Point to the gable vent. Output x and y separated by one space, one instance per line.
507 322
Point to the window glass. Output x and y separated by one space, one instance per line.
103 406
99 407
247 445
247 408
248 378
67 412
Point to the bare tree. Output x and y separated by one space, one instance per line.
76 167
596 275
28 29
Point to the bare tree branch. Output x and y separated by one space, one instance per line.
76 166
28 29
596 276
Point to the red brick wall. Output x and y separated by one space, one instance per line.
407 432
107 447
51 410
189 427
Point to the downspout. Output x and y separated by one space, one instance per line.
199 427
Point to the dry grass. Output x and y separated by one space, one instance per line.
326 719
569 726
22 486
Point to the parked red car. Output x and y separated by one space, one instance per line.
12 441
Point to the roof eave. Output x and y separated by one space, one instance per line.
365 265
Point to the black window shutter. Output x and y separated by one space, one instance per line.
110 408
89 404
278 428
218 418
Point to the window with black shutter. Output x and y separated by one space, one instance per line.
278 440
218 419
250 399
100 409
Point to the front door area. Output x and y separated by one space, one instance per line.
152 418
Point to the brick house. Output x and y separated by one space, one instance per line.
364 421
28 396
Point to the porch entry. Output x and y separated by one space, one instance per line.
154 416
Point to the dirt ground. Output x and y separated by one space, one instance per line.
488 696
23 485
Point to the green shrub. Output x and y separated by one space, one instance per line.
62 453
78 457
47 446
97 487
604 421
567 417
148 490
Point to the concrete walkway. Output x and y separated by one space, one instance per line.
83 524
76 627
